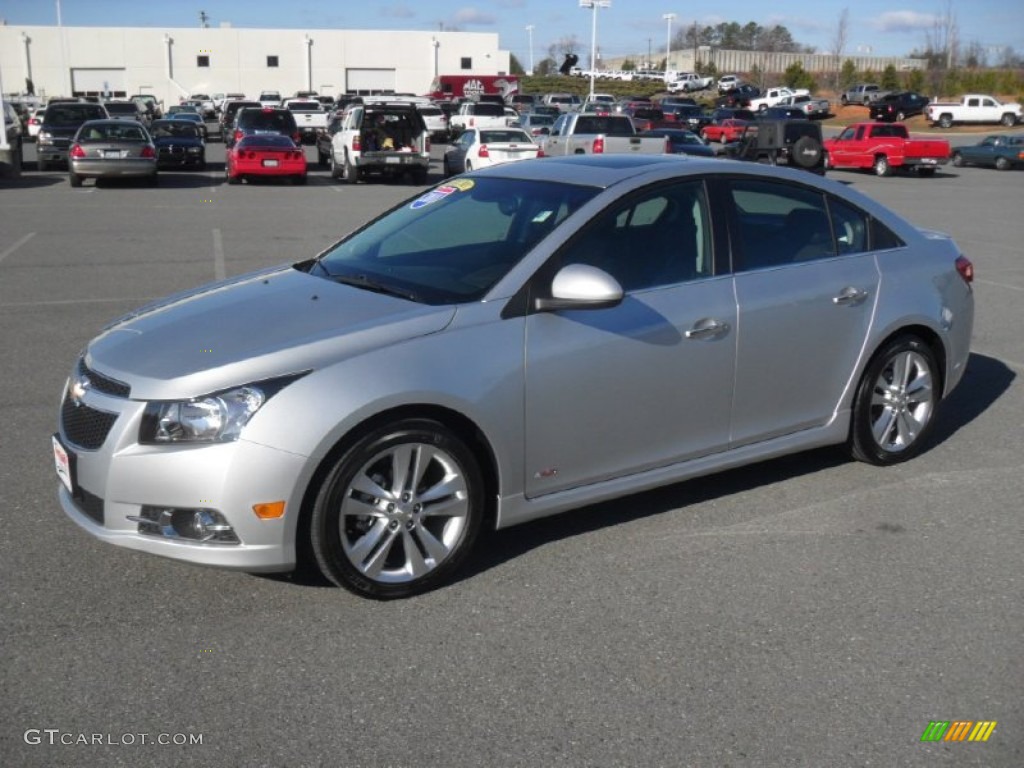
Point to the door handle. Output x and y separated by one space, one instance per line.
707 329
850 295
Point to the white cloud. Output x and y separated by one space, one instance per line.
472 16
396 12
904 21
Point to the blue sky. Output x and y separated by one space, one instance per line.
886 27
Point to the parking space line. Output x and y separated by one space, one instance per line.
54 302
999 285
16 246
219 272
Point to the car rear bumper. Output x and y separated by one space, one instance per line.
114 168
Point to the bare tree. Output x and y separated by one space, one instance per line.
839 40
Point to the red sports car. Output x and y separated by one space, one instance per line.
265 155
727 130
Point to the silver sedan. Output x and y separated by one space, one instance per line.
510 344
112 149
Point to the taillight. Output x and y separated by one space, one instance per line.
540 152
483 151
238 135
77 152
148 151
296 137
965 269
357 145
598 147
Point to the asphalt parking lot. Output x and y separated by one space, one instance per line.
807 611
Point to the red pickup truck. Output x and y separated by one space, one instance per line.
883 147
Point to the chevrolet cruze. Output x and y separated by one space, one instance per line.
507 345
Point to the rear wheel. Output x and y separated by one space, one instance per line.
1002 164
335 168
925 171
399 512
946 121
349 173
895 403
958 160
299 180
74 179
881 166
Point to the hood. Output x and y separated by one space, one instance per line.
256 327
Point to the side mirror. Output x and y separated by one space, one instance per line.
581 286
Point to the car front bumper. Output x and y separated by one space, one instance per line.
115 486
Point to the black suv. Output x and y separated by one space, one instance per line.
263 120
229 111
61 122
797 143
897 106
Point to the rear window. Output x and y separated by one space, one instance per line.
122 109
275 140
488 137
280 120
119 131
73 114
609 125
305 106
488 110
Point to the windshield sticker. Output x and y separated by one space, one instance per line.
463 185
433 196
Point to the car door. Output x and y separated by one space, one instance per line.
806 286
843 151
611 392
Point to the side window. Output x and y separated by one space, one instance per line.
988 103
777 224
850 226
659 237
883 238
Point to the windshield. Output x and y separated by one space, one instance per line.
72 115
174 128
454 242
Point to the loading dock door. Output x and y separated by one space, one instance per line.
94 82
367 81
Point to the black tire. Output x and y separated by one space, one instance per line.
234 179
881 166
1009 120
446 169
335 169
419 176
901 116
844 101
806 152
42 165
321 159
377 554
1002 164
349 173
946 121
74 179
958 160
892 417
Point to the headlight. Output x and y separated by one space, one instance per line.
45 136
216 418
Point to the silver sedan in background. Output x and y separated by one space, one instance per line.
510 344
104 149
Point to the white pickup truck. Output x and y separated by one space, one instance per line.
688 82
474 114
386 138
772 96
973 108
591 134
310 117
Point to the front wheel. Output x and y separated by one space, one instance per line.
901 116
881 166
895 403
1009 120
1002 164
399 512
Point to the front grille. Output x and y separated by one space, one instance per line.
104 384
90 504
83 426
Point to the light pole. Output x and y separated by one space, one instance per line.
668 40
529 31
594 5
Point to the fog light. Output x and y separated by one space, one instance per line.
202 526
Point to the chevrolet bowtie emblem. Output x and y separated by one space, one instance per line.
78 389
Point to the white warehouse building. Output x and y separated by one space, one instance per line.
173 63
